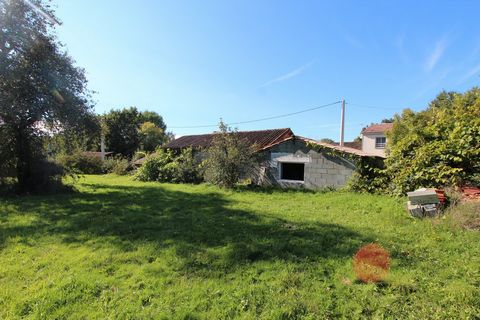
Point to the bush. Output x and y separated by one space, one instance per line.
45 176
122 167
79 163
228 159
437 147
165 166
369 176
108 165
153 168
118 166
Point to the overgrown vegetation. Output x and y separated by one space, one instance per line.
79 163
465 215
369 176
228 158
437 147
127 249
117 165
166 166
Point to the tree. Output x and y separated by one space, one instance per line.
152 136
438 146
86 137
122 131
41 90
125 132
228 159
153 117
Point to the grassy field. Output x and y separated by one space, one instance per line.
119 249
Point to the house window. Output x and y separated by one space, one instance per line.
380 142
292 171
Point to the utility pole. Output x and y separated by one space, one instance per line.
342 126
102 146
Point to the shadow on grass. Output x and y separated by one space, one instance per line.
202 228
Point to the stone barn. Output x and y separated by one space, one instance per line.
287 160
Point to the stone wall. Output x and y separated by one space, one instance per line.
321 170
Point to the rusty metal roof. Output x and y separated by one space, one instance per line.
340 148
263 139
378 128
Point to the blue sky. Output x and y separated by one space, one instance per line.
196 61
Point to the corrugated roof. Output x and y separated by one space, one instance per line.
263 139
351 144
378 128
341 149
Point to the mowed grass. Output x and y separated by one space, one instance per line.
120 249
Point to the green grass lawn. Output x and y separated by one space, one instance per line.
120 249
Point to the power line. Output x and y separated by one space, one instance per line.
376 107
261 119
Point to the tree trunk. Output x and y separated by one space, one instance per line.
24 161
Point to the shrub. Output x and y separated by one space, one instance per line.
228 159
44 177
187 168
369 176
153 168
165 166
109 164
437 147
81 163
48 177
122 167
118 166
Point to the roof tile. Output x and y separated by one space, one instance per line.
378 128
261 138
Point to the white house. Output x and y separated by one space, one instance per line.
374 138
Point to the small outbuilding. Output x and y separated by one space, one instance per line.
287 160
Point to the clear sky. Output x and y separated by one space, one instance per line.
196 61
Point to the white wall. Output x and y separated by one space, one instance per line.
368 144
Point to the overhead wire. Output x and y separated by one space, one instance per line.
291 114
376 107
261 119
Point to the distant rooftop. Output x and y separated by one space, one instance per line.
378 128
96 154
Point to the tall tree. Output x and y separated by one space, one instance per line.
153 117
152 136
40 87
122 131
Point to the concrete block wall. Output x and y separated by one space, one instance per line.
321 171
